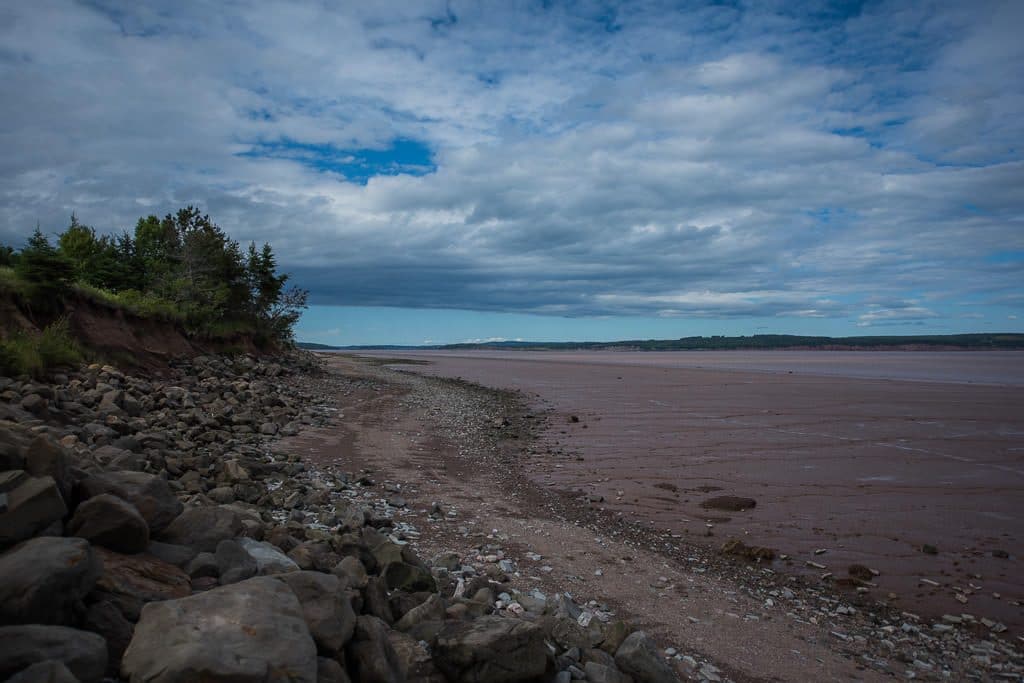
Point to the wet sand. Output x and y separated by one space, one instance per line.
867 456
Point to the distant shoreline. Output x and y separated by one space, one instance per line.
768 342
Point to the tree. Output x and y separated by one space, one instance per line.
7 256
48 273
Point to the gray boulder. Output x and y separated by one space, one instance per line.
33 505
45 458
269 559
326 607
111 522
234 564
45 672
106 620
84 654
638 656
150 495
370 654
203 527
42 580
491 649
249 631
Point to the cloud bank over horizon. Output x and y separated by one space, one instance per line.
857 162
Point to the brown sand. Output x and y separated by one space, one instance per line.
867 456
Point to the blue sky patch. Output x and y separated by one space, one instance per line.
402 157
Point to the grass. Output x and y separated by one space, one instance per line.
142 305
26 354
10 282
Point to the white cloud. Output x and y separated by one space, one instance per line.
710 162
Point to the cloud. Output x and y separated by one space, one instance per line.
640 159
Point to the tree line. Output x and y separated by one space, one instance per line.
182 265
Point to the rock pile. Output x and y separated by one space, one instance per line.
147 533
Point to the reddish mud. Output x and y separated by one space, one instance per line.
873 458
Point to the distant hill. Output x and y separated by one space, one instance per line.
722 343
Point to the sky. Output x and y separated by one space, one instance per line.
438 172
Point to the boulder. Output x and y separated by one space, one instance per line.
105 619
45 458
203 565
34 504
371 656
111 522
253 630
491 649
178 555
638 656
329 671
43 579
326 607
150 495
45 672
130 581
414 659
234 564
84 654
269 559
203 527
407 577
424 621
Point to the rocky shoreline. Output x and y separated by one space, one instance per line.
150 533
179 528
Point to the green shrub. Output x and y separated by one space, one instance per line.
57 347
25 354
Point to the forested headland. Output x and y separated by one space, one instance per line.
181 269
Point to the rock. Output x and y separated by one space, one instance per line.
754 553
203 565
35 504
269 559
409 578
44 458
329 671
860 572
84 654
178 555
111 522
45 672
491 649
613 636
424 621
929 549
35 404
375 600
639 657
600 673
150 495
253 630
414 659
106 620
372 657
43 580
203 527
326 608
130 581
234 564
730 503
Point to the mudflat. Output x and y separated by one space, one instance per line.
910 463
